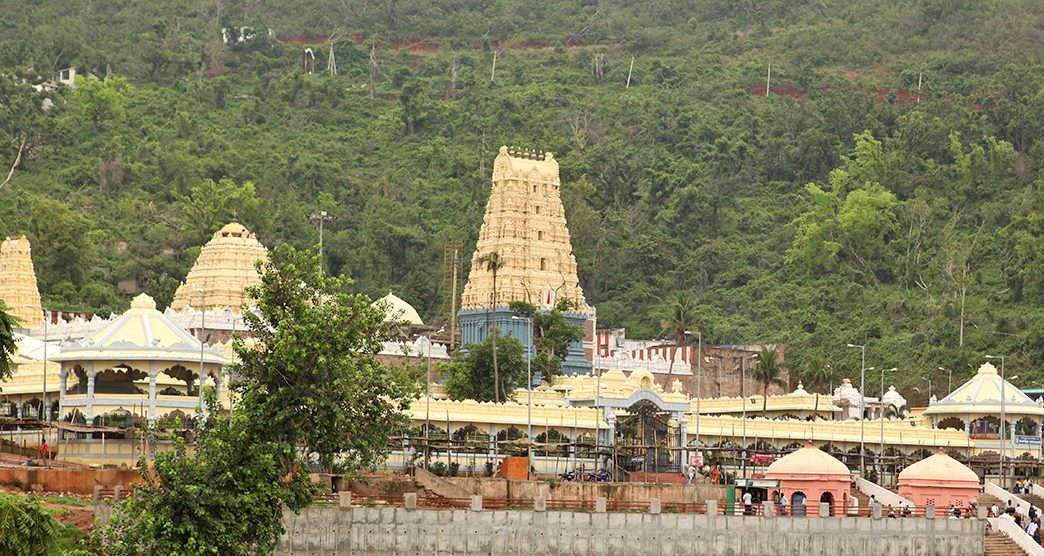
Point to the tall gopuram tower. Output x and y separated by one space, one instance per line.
18 289
223 271
525 226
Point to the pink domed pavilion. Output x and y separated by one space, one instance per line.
809 476
939 480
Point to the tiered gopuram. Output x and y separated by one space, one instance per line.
223 271
525 226
18 289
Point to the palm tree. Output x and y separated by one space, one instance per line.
817 375
8 322
494 263
768 371
679 319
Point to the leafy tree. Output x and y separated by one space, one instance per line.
768 371
493 263
8 346
471 371
227 496
817 375
848 220
101 102
552 335
210 205
680 318
26 529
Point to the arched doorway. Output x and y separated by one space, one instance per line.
797 504
829 499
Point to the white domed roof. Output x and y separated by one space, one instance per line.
808 461
940 467
142 333
397 310
982 394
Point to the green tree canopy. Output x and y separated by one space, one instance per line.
470 373
310 391
552 335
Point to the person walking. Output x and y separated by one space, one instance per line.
748 503
45 452
782 504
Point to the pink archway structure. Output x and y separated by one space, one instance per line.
809 476
939 480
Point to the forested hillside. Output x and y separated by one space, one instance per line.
887 189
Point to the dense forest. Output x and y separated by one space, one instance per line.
811 172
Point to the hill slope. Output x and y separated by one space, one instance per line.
690 179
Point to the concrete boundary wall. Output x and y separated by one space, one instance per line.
360 531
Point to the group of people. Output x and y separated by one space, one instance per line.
1023 487
1029 523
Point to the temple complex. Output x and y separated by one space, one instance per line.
222 272
18 289
525 229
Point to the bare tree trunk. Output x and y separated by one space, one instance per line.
17 161
496 369
453 75
493 72
373 73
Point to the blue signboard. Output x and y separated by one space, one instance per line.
1027 440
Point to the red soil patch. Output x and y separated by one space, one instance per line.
902 96
477 45
422 46
758 90
530 45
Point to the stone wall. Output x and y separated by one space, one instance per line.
328 530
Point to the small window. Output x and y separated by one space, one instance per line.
537 209
543 264
540 234
534 188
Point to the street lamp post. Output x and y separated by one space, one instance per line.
928 379
949 379
427 406
862 408
1002 423
45 412
699 386
529 384
743 393
202 329
321 218
880 402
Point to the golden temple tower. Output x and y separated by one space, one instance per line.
18 289
525 225
223 271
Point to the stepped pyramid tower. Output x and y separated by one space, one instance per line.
18 289
223 271
525 225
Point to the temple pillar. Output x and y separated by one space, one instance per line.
63 386
610 430
153 373
91 373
